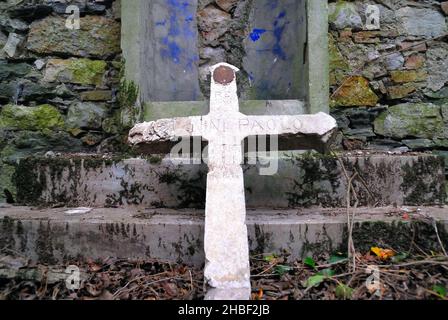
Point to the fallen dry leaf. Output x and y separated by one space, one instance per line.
383 254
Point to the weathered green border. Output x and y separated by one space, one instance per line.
318 57
130 35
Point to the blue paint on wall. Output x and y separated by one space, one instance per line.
179 26
176 33
255 35
273 4
282 14
279 26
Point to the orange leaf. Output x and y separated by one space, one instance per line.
383 254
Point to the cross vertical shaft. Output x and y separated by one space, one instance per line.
226 245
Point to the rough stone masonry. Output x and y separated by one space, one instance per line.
76 83
226 242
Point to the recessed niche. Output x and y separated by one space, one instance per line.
170 44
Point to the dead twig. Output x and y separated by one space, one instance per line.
436 294
328 265
434 224
121 290
351 251
416 263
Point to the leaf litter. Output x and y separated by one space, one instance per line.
274 277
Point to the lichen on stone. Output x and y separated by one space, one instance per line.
87 71
78 71
355 91
99 37
43 117
420 120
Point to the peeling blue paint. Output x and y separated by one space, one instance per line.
251 76
180 26
272 55
255 35
176 32
279 26
279 29
282 14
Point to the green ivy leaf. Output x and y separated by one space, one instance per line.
270 258
399 257
440 290
314 281
281 269
310 262
336 258
327 273
344 292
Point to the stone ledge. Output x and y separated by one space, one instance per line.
301 181
51 235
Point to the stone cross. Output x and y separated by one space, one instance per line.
226 241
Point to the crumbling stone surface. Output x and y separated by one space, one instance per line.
58 87
223 25
396 64
60 40
302 181
412 120
403 63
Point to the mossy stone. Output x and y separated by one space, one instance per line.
344 14
355 91
43 117
401 91
86 115
97 95
405 76
418 120
99 37
78 71
13 70
338 64
87 71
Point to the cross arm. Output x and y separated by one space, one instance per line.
294 132
161 135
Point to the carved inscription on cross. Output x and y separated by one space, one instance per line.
225 128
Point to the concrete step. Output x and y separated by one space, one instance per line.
57 235
301 181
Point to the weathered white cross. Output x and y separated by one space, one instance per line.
226 241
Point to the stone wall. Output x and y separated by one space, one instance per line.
58 87
389 86
222 28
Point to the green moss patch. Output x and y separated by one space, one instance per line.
44 117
